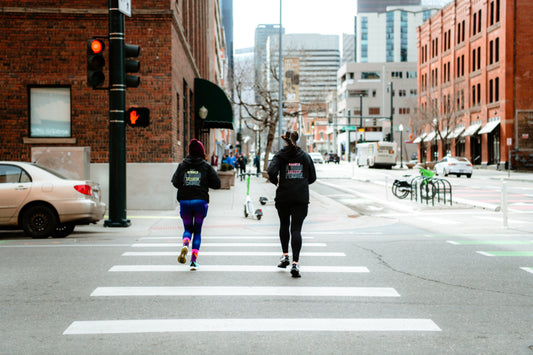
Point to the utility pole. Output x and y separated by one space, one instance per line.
117 124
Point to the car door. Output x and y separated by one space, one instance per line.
15 185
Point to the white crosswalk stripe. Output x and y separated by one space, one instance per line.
235 268
130 326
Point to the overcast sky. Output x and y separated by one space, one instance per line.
298 16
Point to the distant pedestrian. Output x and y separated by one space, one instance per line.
232 160
193 178
292 170
214 160
257 164
241 161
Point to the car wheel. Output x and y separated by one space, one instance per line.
63 229
469 175
39 221
446 173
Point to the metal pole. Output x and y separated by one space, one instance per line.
117 129
504 203
391 125
349 132
280 75
360 111
401 148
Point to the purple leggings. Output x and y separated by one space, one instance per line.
192 213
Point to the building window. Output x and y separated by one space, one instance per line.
390 37
491 52
50 112
497 50
474 24
491 90
411 75
497 89
374 110
397 74
370 75
497 10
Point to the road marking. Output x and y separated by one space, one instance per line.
252 325
247 291
175 245
235 268
478 242
205 238
528 269
506 253
63 245
228 253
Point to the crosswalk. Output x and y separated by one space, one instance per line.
144 259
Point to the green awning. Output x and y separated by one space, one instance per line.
210 97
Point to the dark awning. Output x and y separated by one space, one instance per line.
211 97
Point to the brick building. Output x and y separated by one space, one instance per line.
475 94
45 100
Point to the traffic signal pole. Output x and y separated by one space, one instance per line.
117 124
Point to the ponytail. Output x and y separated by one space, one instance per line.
291 138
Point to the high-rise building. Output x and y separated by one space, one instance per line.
318 57
389 35
262 32
381 5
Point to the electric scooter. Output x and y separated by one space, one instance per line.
249 206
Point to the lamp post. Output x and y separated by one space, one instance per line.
400 128
435 127
280 80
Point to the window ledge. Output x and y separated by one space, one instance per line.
28 140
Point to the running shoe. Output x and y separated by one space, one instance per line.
194 265
284 261
295 270
182 258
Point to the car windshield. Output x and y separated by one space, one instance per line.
462 159
53 172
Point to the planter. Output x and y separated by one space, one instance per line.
227 179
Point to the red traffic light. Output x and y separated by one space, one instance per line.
138 117
96 46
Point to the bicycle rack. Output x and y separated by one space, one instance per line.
426 189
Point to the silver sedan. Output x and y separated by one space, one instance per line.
454 165
43 203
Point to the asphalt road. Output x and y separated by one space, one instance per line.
379 276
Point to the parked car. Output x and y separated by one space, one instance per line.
43 203
317 157
333 158
454 165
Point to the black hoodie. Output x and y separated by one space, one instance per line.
296 171
193 178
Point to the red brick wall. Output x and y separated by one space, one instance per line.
44 43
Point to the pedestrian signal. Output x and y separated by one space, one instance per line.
138 117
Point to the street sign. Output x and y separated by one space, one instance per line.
509 142
349 128
124 6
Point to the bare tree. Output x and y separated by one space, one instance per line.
447 112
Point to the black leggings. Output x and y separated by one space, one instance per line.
291 219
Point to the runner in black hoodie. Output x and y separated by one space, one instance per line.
193 178
292 170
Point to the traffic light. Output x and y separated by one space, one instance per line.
95 63
132 65
313 125
138 117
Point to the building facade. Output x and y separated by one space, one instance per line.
475 96
46 101
381 5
